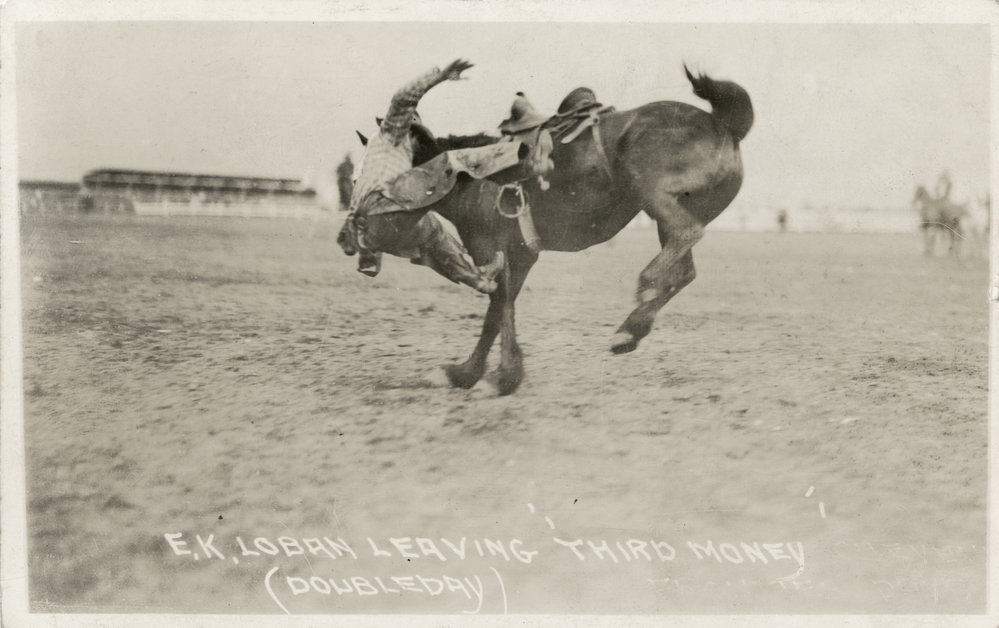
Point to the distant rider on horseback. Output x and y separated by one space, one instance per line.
381 224
944 186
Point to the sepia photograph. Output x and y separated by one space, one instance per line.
526 312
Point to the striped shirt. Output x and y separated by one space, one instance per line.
390 152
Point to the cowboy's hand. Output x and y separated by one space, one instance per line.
453 71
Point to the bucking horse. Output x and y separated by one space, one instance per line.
676 162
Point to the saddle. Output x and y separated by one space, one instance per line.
424 185
578 111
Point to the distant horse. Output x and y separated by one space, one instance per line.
939 217
675 162
976 225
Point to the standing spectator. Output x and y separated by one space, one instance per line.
345 181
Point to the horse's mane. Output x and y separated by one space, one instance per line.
454 142
427 150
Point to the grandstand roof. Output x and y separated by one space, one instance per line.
110 177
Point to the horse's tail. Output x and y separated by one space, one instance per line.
730 104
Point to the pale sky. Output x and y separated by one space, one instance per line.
846 115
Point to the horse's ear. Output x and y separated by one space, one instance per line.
364 140
378 121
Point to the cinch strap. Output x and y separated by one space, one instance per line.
522 214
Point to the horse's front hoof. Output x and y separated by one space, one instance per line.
623 342
460 377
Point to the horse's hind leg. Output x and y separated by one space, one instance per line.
639 322
668 273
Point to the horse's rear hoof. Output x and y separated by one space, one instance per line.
623 342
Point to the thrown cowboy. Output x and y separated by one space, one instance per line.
388 227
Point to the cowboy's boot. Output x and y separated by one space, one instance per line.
446 256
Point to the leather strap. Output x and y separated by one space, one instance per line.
599 143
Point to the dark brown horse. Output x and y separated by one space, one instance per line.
673 161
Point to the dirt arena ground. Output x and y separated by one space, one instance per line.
223 416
